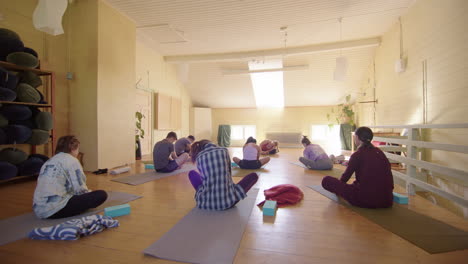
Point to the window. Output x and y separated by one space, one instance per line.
328 137
242 132
267 86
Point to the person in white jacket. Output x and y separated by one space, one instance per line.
61 189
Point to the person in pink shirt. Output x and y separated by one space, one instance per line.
373 187
269 147
315 157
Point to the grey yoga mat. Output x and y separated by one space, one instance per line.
427 233
18 227
204 236
137 179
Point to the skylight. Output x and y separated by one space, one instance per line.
267 86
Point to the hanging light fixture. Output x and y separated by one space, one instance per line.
341 62
47 16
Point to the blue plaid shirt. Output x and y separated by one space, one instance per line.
217 191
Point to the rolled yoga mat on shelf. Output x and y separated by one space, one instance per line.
141 178
427 233
18 227
205 236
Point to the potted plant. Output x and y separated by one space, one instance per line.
139 133
342 113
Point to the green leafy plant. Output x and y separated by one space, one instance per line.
139 132
342 113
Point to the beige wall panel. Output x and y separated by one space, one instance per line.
116 88
434 33
154 74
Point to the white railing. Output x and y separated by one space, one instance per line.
411 146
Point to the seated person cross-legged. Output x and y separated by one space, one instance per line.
164 157
269 147
251 158
61 189
373 187
182 145
214 187
315 157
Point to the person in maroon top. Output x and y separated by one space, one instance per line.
373 186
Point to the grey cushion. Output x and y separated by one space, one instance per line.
9 42
30 78
17 134
31 166
13 156
7 170
28 94
44 121
7 95
38 137
16 112
23 59
3 121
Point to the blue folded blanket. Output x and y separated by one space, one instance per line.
74 228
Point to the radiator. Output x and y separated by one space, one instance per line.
286 139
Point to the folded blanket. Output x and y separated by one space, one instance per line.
74 228
283 194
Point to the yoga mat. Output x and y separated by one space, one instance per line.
333 172
427 233
204 236
137 179
18 227
238 172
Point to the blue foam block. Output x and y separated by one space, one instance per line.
149 166
269 207
234 165
117 210
400 198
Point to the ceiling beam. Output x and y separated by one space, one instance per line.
348 44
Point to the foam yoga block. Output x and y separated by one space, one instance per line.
400 198
149 166
117 210
120 170
269 207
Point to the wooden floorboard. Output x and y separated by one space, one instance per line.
315 231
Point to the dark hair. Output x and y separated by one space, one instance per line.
67 144
251 140
305 140
172 134
197 147
191 138
365 135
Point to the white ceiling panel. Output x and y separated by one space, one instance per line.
225 26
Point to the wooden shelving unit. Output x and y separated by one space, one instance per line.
48 91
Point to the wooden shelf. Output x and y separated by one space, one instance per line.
14 67
28 104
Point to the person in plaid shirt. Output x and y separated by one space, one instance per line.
214 187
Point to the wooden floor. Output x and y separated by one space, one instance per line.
316 231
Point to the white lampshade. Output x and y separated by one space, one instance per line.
47 16
340 69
